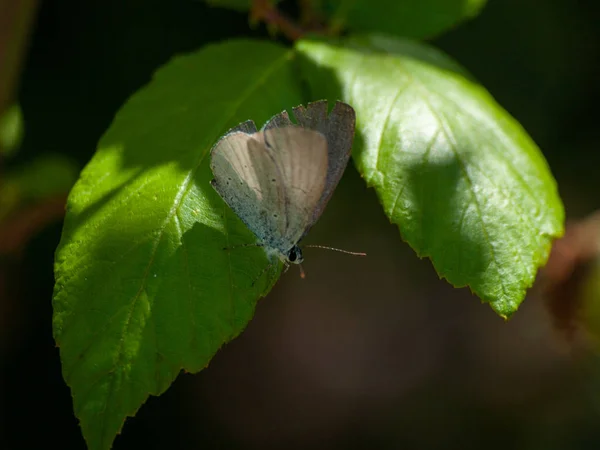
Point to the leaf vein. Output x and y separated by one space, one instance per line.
453 146
386 122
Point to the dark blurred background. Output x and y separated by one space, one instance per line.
365 353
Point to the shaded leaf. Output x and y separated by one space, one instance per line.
144 287
236 5
464 182
407 18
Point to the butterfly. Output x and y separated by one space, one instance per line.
278 180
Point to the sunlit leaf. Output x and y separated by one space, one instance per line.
144 286
464 182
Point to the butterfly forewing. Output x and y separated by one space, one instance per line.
301 157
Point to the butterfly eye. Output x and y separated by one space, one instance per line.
292 255
295 255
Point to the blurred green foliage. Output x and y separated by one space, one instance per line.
43 177
11 130
87 59
143 204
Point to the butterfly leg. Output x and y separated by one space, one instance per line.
274 263
262 273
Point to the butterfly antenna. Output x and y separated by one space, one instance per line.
338 250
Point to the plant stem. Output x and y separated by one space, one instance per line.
262 10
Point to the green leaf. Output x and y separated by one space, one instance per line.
407 18
11 130
463 181
236 5
144 286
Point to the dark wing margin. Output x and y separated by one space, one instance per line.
247 127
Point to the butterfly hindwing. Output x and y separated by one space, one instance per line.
239 162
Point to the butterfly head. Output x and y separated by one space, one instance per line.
294 256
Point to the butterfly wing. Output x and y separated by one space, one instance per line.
280 208
272 180
243 173
338 128
300 156
247 127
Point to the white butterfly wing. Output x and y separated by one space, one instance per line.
272 180
301 157
338 129
243 176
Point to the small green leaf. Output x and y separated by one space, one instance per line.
144 286
11 130
407 18
464 182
